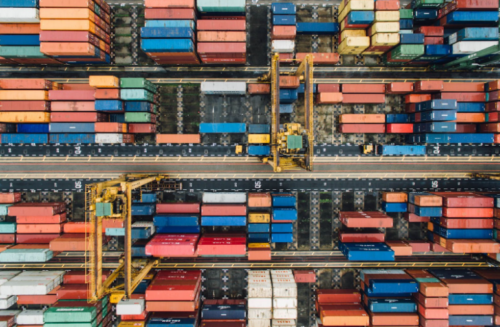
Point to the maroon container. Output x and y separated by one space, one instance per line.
362 128
82 117
461 97
413 218
433 40
7 238
363 88
466 128
35 238
10 197
363 98
361 237
141 128
73 292
177 208
328 88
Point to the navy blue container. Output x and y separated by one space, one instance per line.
360 17
258 228
71 138
435 128
32 128
437 105
448 273
282 228
259 129
143 285
285 8
139 251
440 50
177 322
223 221
470 299
259 150
394 207
401 150
19 3
223 128
425 14
176 220
146 198
24 138
143 209
392 305
284 214
178 230
117 118
438 115
367 251
284 20
471 17
224 312
286 108
167 32
317 28
470 320
396 118
138 106
406 24
259 238
284 201
288 96
71 127
471 107
109 105
426 211
20 40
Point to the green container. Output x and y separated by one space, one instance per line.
407 51
102 209
428 280
136 95
104 300
4 209
428 3
405 14
7 228
26 255
294 142
137 83
391 63
30 52
138 117
70 315
225 6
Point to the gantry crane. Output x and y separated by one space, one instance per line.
291 146
113 200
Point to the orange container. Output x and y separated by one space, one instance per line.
25 84
472 246
25 117
416 98
463 87
399 88
67 4
112 223
23 95
72 106
69 25
469 117
289 82
284 32
68 13
170 306
387 5
259 254
363 98
77 87
361 118
110 128
471 309
431 302
55 219
67 48
320 58
107 94
39 228
423 86
62 244
400 248
394 197
394 319
428 200
259 200
469 286
169 4
344 318
363 88
433 313
222 36
80 227
434 289
178 138
468 212
259 88
329 98
10 197
19 28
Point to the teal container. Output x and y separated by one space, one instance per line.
26 255
7 228
115 231
70 315
428 280
136 95
4 209
137 83
30 52
222 6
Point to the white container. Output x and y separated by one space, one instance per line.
5 276
146 224
285 290
282 276
285 46
259 273
26 287
260 303
466 47
284 303
282 271
284 322
284 313
260 290
259 323
224 87
7 301
30 317
252 279
287 280
19 15
130 307
108 138
222 197
260 314
57 274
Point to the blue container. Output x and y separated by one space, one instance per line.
217 312
138 106
258 228
425 14
284 214
223 128
471 17
32 128
286 108
20 40
396 118
401 150
478 34
139 251
392 286
471 107
288 95
435 128
406 24
223 221
284 201
167 32
466 234
367 251
282 228
178 230
141 233
302 88
259 150
176 220
457 138
284 20
394 207
437 105
171 23
143 209
470 299
177 322
117 118
106 61
470 320
143 285
438 115
317 28
360 17
167 45
146 198
392 305
427 211
281 238
24 138
19 3
448 273
440 50
259 129
285 8
259 238
108 105
71 127
71 138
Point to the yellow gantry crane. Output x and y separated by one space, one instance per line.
293 145
113 200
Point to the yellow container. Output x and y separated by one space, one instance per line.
354 5
381 39
384 28
347 33
442 242
386 16
132 324
67 25
67 13
259 217
259 246
354 45
24 95
104 82
430 227
259 138
24 117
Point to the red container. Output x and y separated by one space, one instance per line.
177 208
413 218
107 94
433 40
48 299
328 88
220 25
466 128
259 88
424 86
319 58
289 82
490 128
387 5
304 276
7 238
72 106
361 237
110 128
416 98
419 246
223 210
462 97
10 197
188 14
399 128
33 209
39 228
284 32
35 238
433 313
73 292
173 245
87 117
142 128
433 322
220 244
25 84
467 223
221 47
338 296
55 219
465 200
431 30
363 88
463 87
173 291
468 212
362 128
399 88
169 4
77 95
493 116
363 98
24 105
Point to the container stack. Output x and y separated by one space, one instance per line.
8 227
169 35
259 228
395 203
260 298
398 123
284 216
323 29
259 134
362 94
492 118
76 33
331 306
493 277
216 245
224 313
284 296
139 98
384 33
284 29
328 94
434 49
355 17
223 214
219 44
76 310
177 218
